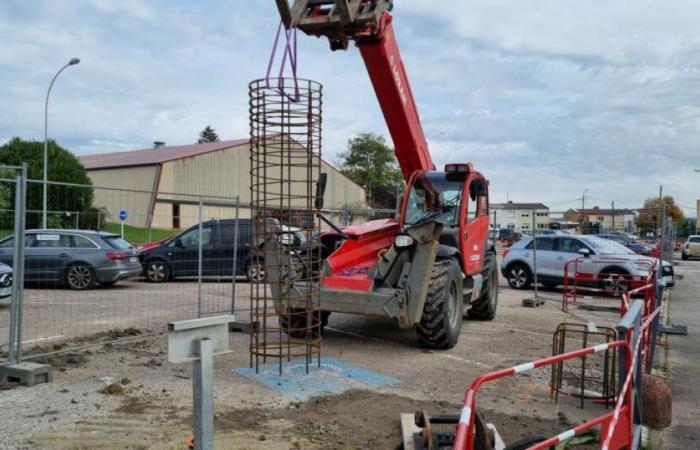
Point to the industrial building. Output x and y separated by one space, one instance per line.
159 187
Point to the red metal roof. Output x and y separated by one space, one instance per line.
157 155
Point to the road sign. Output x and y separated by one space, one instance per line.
123 215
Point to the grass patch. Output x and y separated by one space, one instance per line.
137 235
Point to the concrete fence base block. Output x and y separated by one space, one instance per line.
26 373
532 302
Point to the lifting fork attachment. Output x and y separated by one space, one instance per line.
338 20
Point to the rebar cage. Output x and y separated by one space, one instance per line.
595 377
285 165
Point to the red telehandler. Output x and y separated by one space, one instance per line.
434 264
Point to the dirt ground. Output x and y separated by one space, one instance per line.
151 408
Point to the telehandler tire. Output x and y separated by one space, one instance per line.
296 327
484 308
441 320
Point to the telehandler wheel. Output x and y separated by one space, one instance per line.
296 327
484 308
441 321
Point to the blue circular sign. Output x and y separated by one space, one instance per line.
123 215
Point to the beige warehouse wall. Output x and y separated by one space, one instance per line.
189 214
226 173
136 204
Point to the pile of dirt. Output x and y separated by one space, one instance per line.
63 361
365 419
112 389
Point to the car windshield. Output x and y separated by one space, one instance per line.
117 242
607 247
437 194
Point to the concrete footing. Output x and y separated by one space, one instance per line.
26 373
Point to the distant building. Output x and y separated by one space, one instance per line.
609 219
518 216
218 170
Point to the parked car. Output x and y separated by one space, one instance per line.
691 248
508 236
599 256
177 257
632 244
78 259
5 284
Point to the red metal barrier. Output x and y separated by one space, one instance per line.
650 311
616 426
576 280
464 439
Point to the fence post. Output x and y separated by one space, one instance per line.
534 252
99 221
632 321
199 259
203 393
235 257
15 344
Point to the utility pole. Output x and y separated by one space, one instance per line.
613 215
661 205
583 207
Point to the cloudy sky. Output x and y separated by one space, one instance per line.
546 99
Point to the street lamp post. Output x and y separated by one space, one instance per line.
72 62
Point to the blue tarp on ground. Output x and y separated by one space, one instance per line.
332 377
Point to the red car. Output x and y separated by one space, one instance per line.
152 244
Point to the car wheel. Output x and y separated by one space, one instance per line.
615 281
157 272
255 271
80 277
519 276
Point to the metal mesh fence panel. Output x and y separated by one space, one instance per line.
113 263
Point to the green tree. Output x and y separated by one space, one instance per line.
371 163
208 134
64 167
686 227
650 214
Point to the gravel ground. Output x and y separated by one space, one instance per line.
153 408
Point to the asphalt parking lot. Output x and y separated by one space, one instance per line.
55 313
